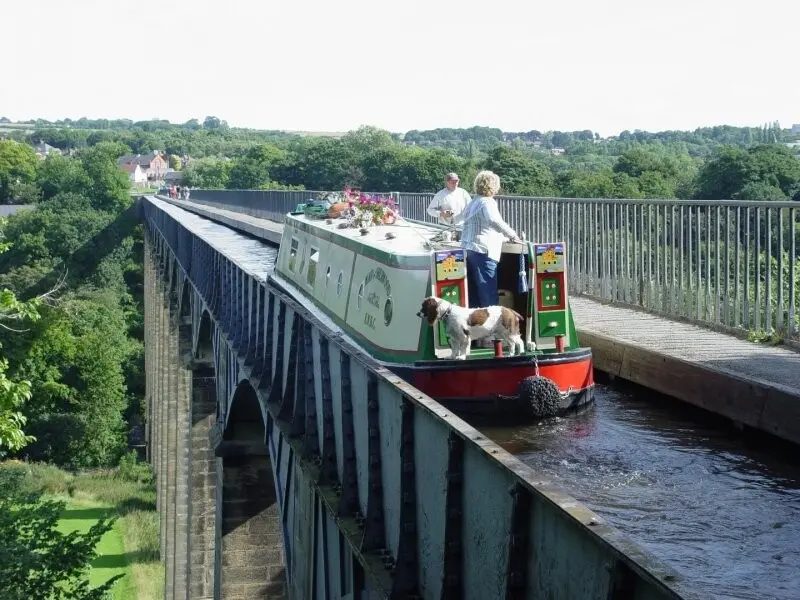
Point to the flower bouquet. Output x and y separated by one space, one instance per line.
362 210
371 209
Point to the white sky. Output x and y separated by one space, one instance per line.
332 65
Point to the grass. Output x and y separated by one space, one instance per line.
131 547
80 515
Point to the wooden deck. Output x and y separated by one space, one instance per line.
753 384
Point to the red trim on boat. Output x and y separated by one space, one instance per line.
473 382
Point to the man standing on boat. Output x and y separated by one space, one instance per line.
449 201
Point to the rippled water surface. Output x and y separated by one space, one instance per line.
724 515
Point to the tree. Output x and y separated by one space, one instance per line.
58 174
75 363
733 170
759 190
80 355
110 186
36 559
214 123
13 394
367 139
724 175
589 185
209 173
17 169
175 162
520 174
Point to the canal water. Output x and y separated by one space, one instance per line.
722 511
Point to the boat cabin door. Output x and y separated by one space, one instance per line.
552 325
449 282
532 281
514 278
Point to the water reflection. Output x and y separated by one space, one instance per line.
684 486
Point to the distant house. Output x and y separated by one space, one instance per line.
796 128
154 165
173 178
135 173
43 150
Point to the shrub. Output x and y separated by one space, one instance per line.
132 469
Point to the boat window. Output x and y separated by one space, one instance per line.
303 260
327 275
311 276
387 311
360 296
293 253
340 283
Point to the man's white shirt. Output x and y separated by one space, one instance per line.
455 201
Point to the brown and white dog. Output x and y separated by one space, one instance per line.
466 324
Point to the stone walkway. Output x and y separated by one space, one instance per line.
720 351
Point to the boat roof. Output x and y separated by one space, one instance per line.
411 238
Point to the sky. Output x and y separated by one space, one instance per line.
602 65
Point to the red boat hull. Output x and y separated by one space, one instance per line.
490 385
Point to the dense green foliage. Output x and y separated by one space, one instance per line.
17 170
13 394
638 164
36 559
82 357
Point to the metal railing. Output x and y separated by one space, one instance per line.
731 264
265 204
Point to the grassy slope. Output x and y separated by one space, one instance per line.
131 547
112 558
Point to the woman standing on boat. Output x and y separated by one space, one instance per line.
483 236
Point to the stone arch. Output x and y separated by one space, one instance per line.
174 270
185 304
249 530
246 417
204 347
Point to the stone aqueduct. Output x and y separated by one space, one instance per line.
288 464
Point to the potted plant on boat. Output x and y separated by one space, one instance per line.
371 209
362 210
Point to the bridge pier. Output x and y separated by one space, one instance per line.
183 390
202 477
252 564
172 367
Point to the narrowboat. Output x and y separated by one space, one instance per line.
367 276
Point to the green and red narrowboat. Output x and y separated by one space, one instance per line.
369 281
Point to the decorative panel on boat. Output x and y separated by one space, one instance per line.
383 304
